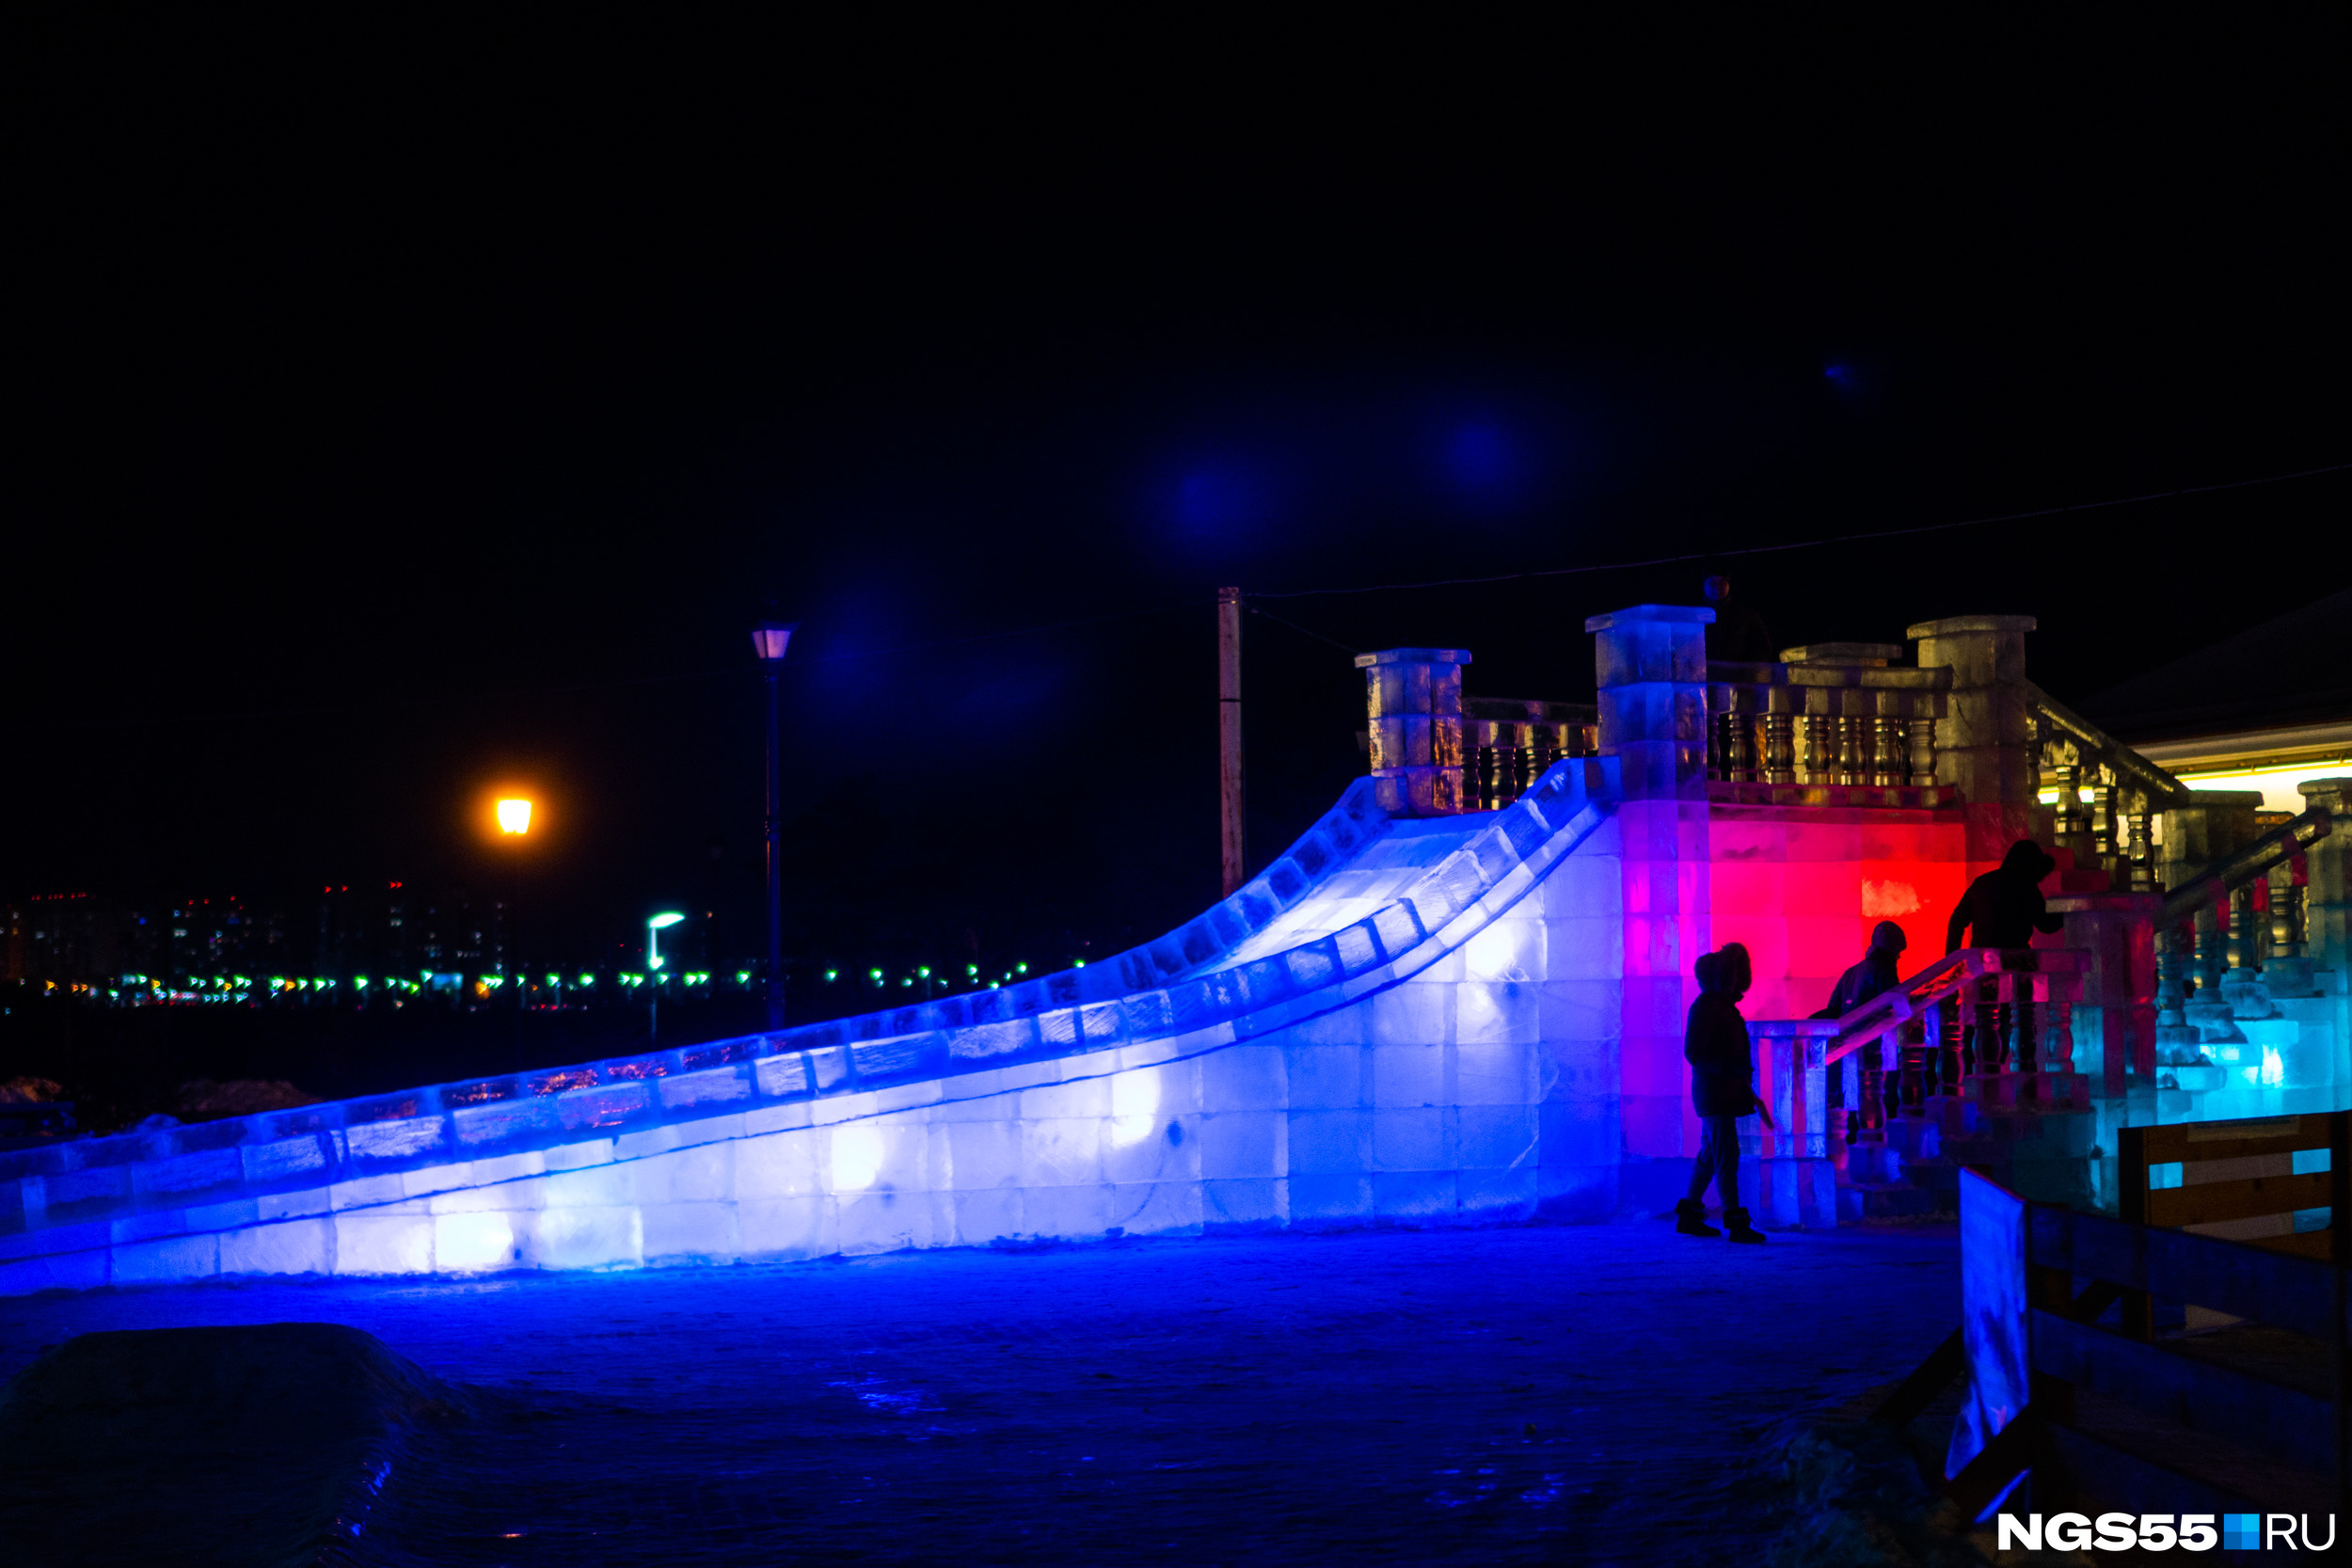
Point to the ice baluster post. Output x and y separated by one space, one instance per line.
1990 1057
1911 1089
1780 745
1873 1091
2059 1057
1922 751
1890 759
1851 752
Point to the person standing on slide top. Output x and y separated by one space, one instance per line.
1723 1089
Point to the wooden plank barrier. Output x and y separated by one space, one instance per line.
2237 1179
2238 1182
2126 1421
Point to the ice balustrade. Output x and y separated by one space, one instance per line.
2108 796
1840 716
1189 985
1834 715
2243 914
1510 741
2016 999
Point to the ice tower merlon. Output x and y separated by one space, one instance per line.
1650 678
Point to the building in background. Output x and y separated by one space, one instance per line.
2266 709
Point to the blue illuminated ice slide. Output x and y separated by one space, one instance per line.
1406 1021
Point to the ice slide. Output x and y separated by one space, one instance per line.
1401 1021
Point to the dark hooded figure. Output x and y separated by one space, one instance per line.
1874 974
1723 1089
2004 908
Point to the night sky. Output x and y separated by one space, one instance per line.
398 414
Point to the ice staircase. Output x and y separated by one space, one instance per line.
1910 1168
2264 1053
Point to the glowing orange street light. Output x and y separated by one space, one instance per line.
515 817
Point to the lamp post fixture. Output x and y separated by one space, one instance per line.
514 816
654 927
770 639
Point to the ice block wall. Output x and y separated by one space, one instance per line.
1411 1021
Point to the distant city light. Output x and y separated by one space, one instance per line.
515 817
874 974
832 975
924 972
660 923
1021 968
587 979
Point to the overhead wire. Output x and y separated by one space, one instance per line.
1304 631
1807 544
1253 601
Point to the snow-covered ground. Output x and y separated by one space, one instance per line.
1596 1394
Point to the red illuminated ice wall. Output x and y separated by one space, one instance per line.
1803 886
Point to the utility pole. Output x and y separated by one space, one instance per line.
770 641
1229 730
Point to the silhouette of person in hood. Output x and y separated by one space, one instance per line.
1874 974
2004 908
1723 1089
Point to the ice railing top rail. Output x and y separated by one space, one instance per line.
2002 975
1161 991
1794 1056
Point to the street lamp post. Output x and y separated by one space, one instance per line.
514 816
770 639
654 928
